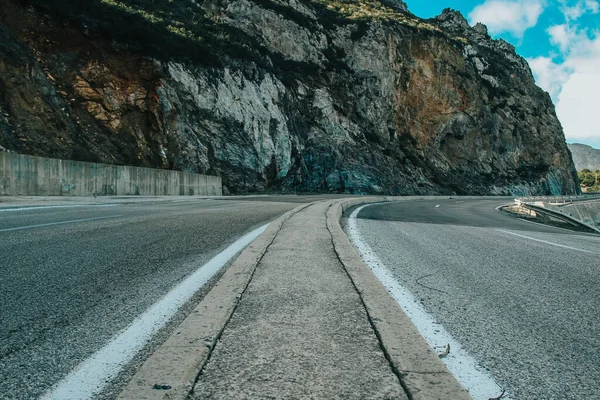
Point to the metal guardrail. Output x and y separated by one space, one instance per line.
560 215
560 199
532 203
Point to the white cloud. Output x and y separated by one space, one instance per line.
573 12
512 16
584 54
578 106
574 83
593 6
563 36
549 75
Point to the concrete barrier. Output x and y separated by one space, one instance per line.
23 175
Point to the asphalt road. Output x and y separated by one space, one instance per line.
72 277
522 298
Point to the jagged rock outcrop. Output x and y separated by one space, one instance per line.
312 95
585 157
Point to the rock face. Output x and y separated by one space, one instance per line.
307 95
585 157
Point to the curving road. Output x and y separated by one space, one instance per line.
523 299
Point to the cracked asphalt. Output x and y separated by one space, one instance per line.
73 277
522 298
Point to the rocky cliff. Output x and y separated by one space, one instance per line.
307 95
585 157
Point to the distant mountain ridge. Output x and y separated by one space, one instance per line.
584 156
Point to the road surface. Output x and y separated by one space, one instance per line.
523 299
74 276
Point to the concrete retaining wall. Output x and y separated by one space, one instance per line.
22 175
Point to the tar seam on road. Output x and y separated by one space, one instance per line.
544 241
428 287
220 333
385 352
57 223
92 374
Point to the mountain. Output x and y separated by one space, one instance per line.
585 157
307 95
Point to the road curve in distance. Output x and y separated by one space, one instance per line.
522 298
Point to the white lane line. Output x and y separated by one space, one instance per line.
546 242
46 207
93 374
57 223
480 384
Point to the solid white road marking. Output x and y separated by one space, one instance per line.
93 374
479 383
544 241
46 207
57 223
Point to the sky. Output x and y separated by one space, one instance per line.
561 41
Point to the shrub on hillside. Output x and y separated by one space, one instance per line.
590 180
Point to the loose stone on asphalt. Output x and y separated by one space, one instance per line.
300 329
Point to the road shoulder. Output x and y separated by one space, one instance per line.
422 373
172 370
188 362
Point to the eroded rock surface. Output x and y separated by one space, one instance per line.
281 95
